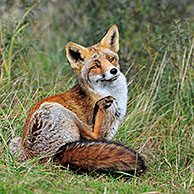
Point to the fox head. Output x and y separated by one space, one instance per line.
97 64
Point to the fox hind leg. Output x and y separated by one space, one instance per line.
50 127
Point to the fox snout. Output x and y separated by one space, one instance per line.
111 74
105 75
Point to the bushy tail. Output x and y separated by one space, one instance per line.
88 155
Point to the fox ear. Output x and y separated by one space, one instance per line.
76 54
111 39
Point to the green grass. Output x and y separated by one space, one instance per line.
159 123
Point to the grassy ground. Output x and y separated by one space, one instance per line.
159 122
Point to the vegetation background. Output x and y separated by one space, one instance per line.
156 55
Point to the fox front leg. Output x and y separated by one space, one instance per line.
99 110
98 115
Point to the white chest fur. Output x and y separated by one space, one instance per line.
117 89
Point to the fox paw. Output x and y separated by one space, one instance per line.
105 102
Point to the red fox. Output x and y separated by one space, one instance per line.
76 127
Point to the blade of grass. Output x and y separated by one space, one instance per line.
17 30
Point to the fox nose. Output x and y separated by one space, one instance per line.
113 71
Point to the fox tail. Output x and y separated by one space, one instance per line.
100 155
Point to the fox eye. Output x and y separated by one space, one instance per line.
111 59
95 66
